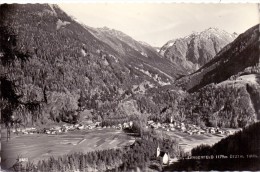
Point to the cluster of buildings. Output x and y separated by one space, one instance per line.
70 127
28 130
125 125
190 128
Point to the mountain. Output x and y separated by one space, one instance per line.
194 50
137 52
228 86
113 34
240 55
67 69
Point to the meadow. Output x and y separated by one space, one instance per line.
188 142
36 147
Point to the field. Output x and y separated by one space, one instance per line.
187 142
41 146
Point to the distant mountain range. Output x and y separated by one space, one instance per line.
196 49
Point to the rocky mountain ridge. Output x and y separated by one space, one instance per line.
196 49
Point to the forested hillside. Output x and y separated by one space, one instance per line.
228 104
59 67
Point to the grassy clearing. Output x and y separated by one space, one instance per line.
41 146
187 142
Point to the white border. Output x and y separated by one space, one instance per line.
129 1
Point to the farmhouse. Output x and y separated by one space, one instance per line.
183 128
91 126
163 156
81 127
97 124
125 125
131 124
212 130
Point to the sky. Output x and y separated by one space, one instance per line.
157 23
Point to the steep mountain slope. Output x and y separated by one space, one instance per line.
242 53
227 86
113 34
58 64
227 104
135 52
194 50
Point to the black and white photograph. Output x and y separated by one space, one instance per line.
129 87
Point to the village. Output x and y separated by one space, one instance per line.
54 130
190 129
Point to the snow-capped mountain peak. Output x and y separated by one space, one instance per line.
194 50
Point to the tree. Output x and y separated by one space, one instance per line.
9 97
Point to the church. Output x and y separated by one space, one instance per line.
162 155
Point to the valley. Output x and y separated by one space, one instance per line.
79 98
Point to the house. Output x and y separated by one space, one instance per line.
150 122
212 131
220 131
202 131
183 128
91 126
131 124
65 130
98 124
53 132
162 156
190 132
154 126
126 125
229 132
81 127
